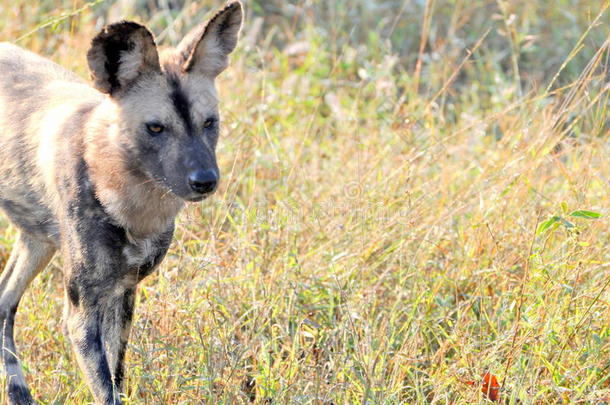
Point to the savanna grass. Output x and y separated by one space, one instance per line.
414 193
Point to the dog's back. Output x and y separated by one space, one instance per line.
18 63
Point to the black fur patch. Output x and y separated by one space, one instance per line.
128 307
8 352
8 322
93 345
92 342
113 51
19 394
181 103
128 300
119 372
73 293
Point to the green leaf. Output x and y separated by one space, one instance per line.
544 226
586 214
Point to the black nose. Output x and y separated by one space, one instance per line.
203 181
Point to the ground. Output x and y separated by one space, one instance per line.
414 194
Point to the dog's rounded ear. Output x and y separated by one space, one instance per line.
205 49
119 54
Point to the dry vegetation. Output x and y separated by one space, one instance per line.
401 210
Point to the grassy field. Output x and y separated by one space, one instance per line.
415 193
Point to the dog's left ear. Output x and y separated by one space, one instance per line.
205 50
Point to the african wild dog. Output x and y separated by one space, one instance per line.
101 174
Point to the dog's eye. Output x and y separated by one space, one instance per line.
209 123
155 128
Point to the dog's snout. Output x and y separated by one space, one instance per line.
203 181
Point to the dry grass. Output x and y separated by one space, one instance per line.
382 235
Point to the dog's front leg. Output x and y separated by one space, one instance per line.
100 297
116 326
92 325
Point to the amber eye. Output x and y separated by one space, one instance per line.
155 128
209 123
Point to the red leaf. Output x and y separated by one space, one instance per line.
491 388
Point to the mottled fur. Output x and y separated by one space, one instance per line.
100 173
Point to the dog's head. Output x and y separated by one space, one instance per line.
167 110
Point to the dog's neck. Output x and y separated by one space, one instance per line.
140 205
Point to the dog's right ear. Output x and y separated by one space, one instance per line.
119 54
205 49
